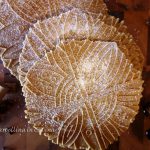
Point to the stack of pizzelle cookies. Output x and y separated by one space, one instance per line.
79 67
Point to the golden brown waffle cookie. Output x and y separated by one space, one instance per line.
83 94
75 24
33 10
12 33
16 16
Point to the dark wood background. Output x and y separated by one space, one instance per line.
136 14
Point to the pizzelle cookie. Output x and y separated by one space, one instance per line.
83 94
33 10
12 33
17 16
75 24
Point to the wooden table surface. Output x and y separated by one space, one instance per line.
136 14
